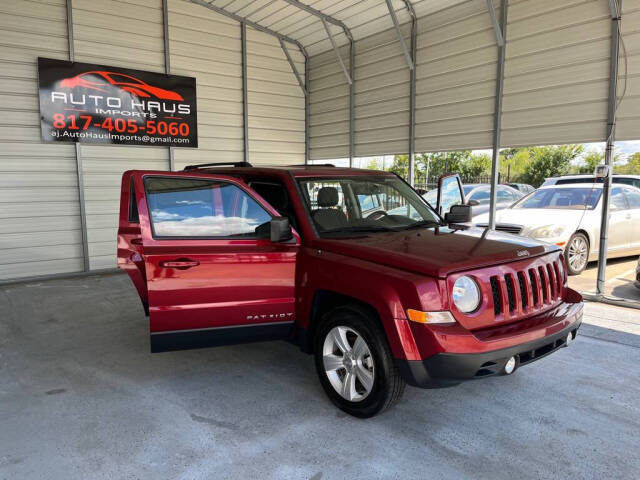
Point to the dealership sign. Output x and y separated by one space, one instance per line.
87 103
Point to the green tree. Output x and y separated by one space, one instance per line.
549 161
632 167
476 165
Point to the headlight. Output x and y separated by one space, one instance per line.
548 231
466 294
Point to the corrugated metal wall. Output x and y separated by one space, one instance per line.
40 230
207 46
125 33
556 79
455 78
276 101
39 210
628 127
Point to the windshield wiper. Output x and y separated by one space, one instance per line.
424 223
361 228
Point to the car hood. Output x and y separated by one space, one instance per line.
437 251
531 218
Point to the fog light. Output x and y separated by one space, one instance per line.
569 339
510 366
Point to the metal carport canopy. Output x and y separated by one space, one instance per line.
400 76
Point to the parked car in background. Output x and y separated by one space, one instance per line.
477 195
633 180
521 187
569 216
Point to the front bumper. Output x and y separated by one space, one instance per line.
449 369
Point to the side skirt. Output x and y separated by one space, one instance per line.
218 336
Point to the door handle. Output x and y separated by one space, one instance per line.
180 264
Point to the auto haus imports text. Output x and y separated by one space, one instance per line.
90 112
102 105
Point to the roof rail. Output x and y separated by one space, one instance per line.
317 165
220 164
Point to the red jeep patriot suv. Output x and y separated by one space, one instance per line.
351 265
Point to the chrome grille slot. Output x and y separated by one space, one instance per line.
510 292
495 291
534 286
543 285
523 291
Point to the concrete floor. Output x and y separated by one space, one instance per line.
621 274
81 397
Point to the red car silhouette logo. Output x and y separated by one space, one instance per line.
100 81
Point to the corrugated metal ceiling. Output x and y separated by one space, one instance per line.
362 17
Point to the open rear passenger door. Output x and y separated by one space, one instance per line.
219 263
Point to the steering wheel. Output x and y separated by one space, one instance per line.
377 215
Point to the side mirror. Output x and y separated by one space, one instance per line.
458 214
473 203
450 193
280 230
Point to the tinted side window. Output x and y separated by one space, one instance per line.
133 204
633 198
505 195
618 199
184 207
481 195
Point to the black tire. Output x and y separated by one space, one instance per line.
572 267
388 385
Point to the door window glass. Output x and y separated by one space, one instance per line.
617 199
481 195
633 197
184 207
504 195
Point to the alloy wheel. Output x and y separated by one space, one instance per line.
578 254
348 363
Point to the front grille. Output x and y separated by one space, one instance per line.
515 229
504 227
524 290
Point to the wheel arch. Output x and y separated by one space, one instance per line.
326 300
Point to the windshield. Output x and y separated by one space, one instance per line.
562 198
364 204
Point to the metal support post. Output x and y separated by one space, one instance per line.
497 121
167 65
79 167
616 15
245 103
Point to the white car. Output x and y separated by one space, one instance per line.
569 216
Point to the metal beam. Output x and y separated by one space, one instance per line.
352 103
394 19
319 14
500 31
412 93
293 67
167 66
497 119
336 50
251 24
245 101
307 113
79 166
611 138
